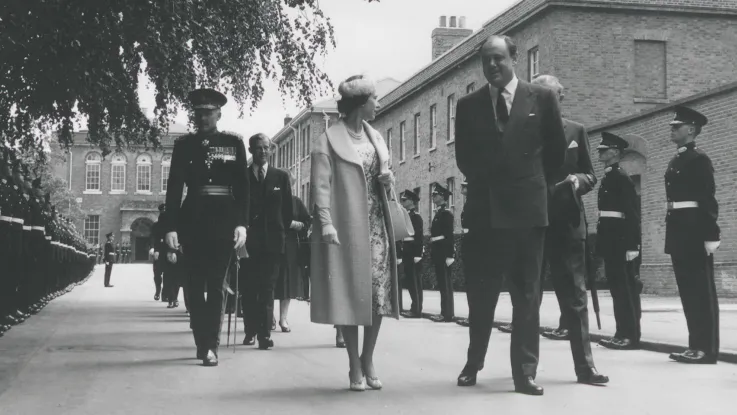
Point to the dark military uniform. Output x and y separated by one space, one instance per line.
618 231
443 247
690 222
412 248
214 168
158 245
7 239
109 260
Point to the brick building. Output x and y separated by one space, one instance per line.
121 192
615 58
293 141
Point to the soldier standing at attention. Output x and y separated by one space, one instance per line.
158 252
411 250
109 258
692 236
212 220
443 252
617 242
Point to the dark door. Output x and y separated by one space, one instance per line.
142 247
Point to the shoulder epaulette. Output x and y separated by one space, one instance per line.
232 134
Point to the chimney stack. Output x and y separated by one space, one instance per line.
451 32
287 120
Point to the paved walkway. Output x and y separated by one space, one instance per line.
116 351
663 321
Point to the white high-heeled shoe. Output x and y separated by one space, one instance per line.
359 386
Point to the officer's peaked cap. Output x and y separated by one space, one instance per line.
686 115
411 196
439 189
207 98
609 140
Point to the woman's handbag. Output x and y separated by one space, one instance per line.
400 218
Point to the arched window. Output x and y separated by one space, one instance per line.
143 174
117 173
165 167
92 163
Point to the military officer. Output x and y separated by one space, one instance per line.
212 221
158 253
109 258
692 236
412 248
442 252
617 241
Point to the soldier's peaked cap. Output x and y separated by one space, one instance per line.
109 234
609 140
437 188
207 98
686 115
411 196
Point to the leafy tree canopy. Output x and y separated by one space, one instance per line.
62 59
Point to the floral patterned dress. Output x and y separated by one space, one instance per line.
379 240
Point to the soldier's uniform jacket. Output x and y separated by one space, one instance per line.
690 178
198 160
412 246
617 193
441 235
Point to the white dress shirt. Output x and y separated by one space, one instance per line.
507 92
264 168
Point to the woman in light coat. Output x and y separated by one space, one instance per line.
353 260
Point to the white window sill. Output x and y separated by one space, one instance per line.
402 161
92 192
434 148
162 193
416 156
451 142
118 192
147 193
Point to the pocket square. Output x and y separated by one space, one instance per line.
276 189
573 144
532 115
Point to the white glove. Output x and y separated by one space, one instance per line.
172 240
239 237
631 255
330 235
417 259
298 226
399 261
156 256
711 246
151 252
574 180
172 257
449 261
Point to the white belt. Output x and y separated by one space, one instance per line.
6 218
48 238
681 205
26 228
410 239
437 238
38 228
610 214
16 220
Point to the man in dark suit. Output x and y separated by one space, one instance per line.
692 236
565 240
270 217
411 250
109 258
509 142
158 252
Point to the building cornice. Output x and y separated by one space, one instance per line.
301 116
519 14
723 89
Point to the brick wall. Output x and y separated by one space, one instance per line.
717 140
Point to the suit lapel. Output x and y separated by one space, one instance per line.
487 109
520 110
270 181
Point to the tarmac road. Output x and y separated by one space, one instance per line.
116 351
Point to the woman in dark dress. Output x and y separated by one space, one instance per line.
291 283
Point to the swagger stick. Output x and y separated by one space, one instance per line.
235 298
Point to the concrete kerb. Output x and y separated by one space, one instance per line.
649 345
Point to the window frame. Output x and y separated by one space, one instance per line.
433 127
451 137
88 231
416 137
144 165
165 164
92 166
533 65
402 142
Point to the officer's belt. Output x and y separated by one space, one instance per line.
38 228
611 214
214 190
16 220
48 238
6 218
26 228
681 205
410 239
437 238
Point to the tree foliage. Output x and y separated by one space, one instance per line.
62 59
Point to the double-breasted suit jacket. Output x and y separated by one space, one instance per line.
508 171
690 178
270 211
566 214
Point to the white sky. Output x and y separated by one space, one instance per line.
386 39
